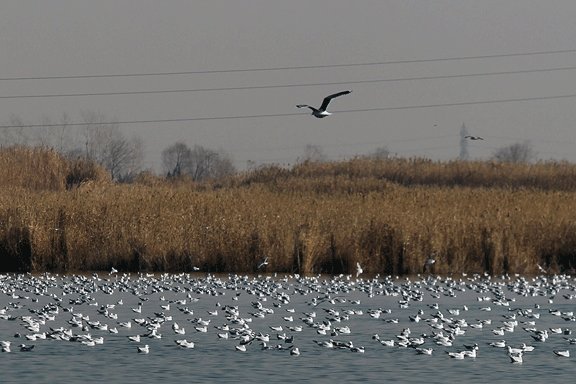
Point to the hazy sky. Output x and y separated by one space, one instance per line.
391 104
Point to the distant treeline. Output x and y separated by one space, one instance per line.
390 215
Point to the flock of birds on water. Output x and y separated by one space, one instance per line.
267 319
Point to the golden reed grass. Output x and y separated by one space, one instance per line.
388 215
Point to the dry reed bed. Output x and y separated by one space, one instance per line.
315 218
162 228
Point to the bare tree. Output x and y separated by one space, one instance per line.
49 133
209 164
199 163
515 153
105 144
176 159
313 153
380 153
16 132
57 134
124 158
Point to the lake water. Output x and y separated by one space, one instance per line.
214 359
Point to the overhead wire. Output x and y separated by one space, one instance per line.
283 68
414 78
232 117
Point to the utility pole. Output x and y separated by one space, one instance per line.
463 143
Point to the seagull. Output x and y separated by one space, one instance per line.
144 349
527 348
185 344
424 351
135 338
322 112
5 346
26 348
565 353
263 263
473 137
295 351
429 262
358 269
516 358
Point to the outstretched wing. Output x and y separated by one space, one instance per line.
330 97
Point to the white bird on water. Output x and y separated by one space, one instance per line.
516 358
322 112
565 353
144 349
185 344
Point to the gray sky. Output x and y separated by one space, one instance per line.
46 38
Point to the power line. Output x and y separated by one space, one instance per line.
436 77
262 69
207 118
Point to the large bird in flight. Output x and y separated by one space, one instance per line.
322 112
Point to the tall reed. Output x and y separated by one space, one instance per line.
389 216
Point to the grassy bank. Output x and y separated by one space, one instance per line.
389 216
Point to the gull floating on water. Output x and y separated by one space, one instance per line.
26 348
322 112
565 353
516 358
144 349
185 344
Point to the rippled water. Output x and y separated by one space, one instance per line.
216 360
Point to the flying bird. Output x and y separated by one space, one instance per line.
263 263
322 112
359 269
430 261
473 137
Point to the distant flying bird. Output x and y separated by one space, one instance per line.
322 112
473 137
359 269
430 261
263 263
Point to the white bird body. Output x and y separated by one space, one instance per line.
359 269
135 338
527 348
144 349
185 344
516 358
424 351
263 263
